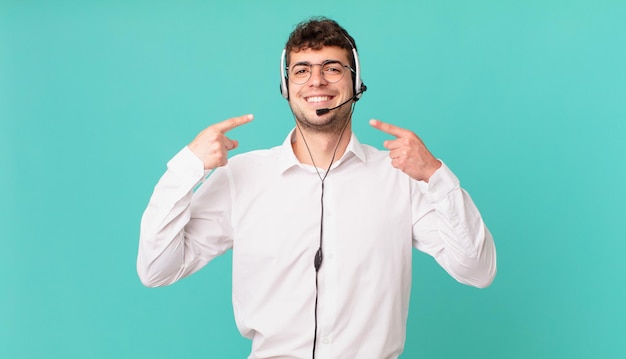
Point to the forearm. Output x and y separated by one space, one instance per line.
469 253
458 238
164 254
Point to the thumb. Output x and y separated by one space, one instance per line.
230 144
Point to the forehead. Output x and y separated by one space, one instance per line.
319 56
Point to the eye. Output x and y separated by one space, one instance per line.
300 70
333 68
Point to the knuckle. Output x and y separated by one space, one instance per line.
215 147
212 136
232 121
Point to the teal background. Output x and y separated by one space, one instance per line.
524 100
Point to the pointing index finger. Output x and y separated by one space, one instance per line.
231 123
389 128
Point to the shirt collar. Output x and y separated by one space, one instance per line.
287 159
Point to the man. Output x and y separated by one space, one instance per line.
322 227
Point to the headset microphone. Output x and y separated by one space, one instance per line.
323 111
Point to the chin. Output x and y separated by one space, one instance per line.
332 122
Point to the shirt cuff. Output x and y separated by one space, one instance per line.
442 182
186 164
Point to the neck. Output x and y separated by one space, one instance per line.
325 148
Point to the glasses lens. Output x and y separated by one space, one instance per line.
332 71
300 73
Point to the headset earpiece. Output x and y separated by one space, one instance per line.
284 89
359 87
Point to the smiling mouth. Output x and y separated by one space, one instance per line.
318 99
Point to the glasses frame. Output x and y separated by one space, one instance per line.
324 63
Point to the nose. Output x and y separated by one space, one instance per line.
317 78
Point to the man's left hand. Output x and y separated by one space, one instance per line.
407 151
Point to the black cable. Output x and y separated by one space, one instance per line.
317 262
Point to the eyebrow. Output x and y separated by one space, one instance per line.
321 63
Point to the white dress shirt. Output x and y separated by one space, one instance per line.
265 206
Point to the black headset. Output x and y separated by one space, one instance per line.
359 86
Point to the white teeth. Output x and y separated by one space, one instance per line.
318 99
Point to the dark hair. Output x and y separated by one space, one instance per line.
318 32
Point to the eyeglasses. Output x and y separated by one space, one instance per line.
332 71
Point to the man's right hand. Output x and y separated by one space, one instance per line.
211 145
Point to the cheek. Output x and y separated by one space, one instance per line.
294 91
349 87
